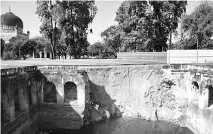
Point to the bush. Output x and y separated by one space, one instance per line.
10 55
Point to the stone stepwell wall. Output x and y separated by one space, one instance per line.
154 92
33 98
19 106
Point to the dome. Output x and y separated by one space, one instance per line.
9 19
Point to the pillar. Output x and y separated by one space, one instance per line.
60 94
33 55
81 94
33 93
45 54
23 102
204 99
12 110
40 54
67 57
8 108
50 55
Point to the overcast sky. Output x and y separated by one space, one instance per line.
104 18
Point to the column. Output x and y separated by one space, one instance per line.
204 98
33 93
45 54
33 55
50 55
67 56
23 102
12 110
40 54
60 94
8 108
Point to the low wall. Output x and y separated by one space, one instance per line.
142 55
189 56
200 121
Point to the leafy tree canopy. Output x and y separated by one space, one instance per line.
147 24
199 27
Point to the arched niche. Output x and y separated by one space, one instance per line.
194 92
70 92
210 96
49 92
195 87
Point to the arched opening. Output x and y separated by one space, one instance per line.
70 92
49 93
17 103
210 88
42 54
195 86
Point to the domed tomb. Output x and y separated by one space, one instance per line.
9 19
11 26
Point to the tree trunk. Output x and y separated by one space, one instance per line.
170 39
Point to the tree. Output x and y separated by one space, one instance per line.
168 14
16 45
112 38
95 49
198 26
76 15
42 43
67 22
49 13
147 24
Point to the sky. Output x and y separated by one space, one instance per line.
104 18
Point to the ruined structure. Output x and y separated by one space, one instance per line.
49 97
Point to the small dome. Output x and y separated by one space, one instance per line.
9 19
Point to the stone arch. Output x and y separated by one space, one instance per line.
78 80
49 92
70 92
